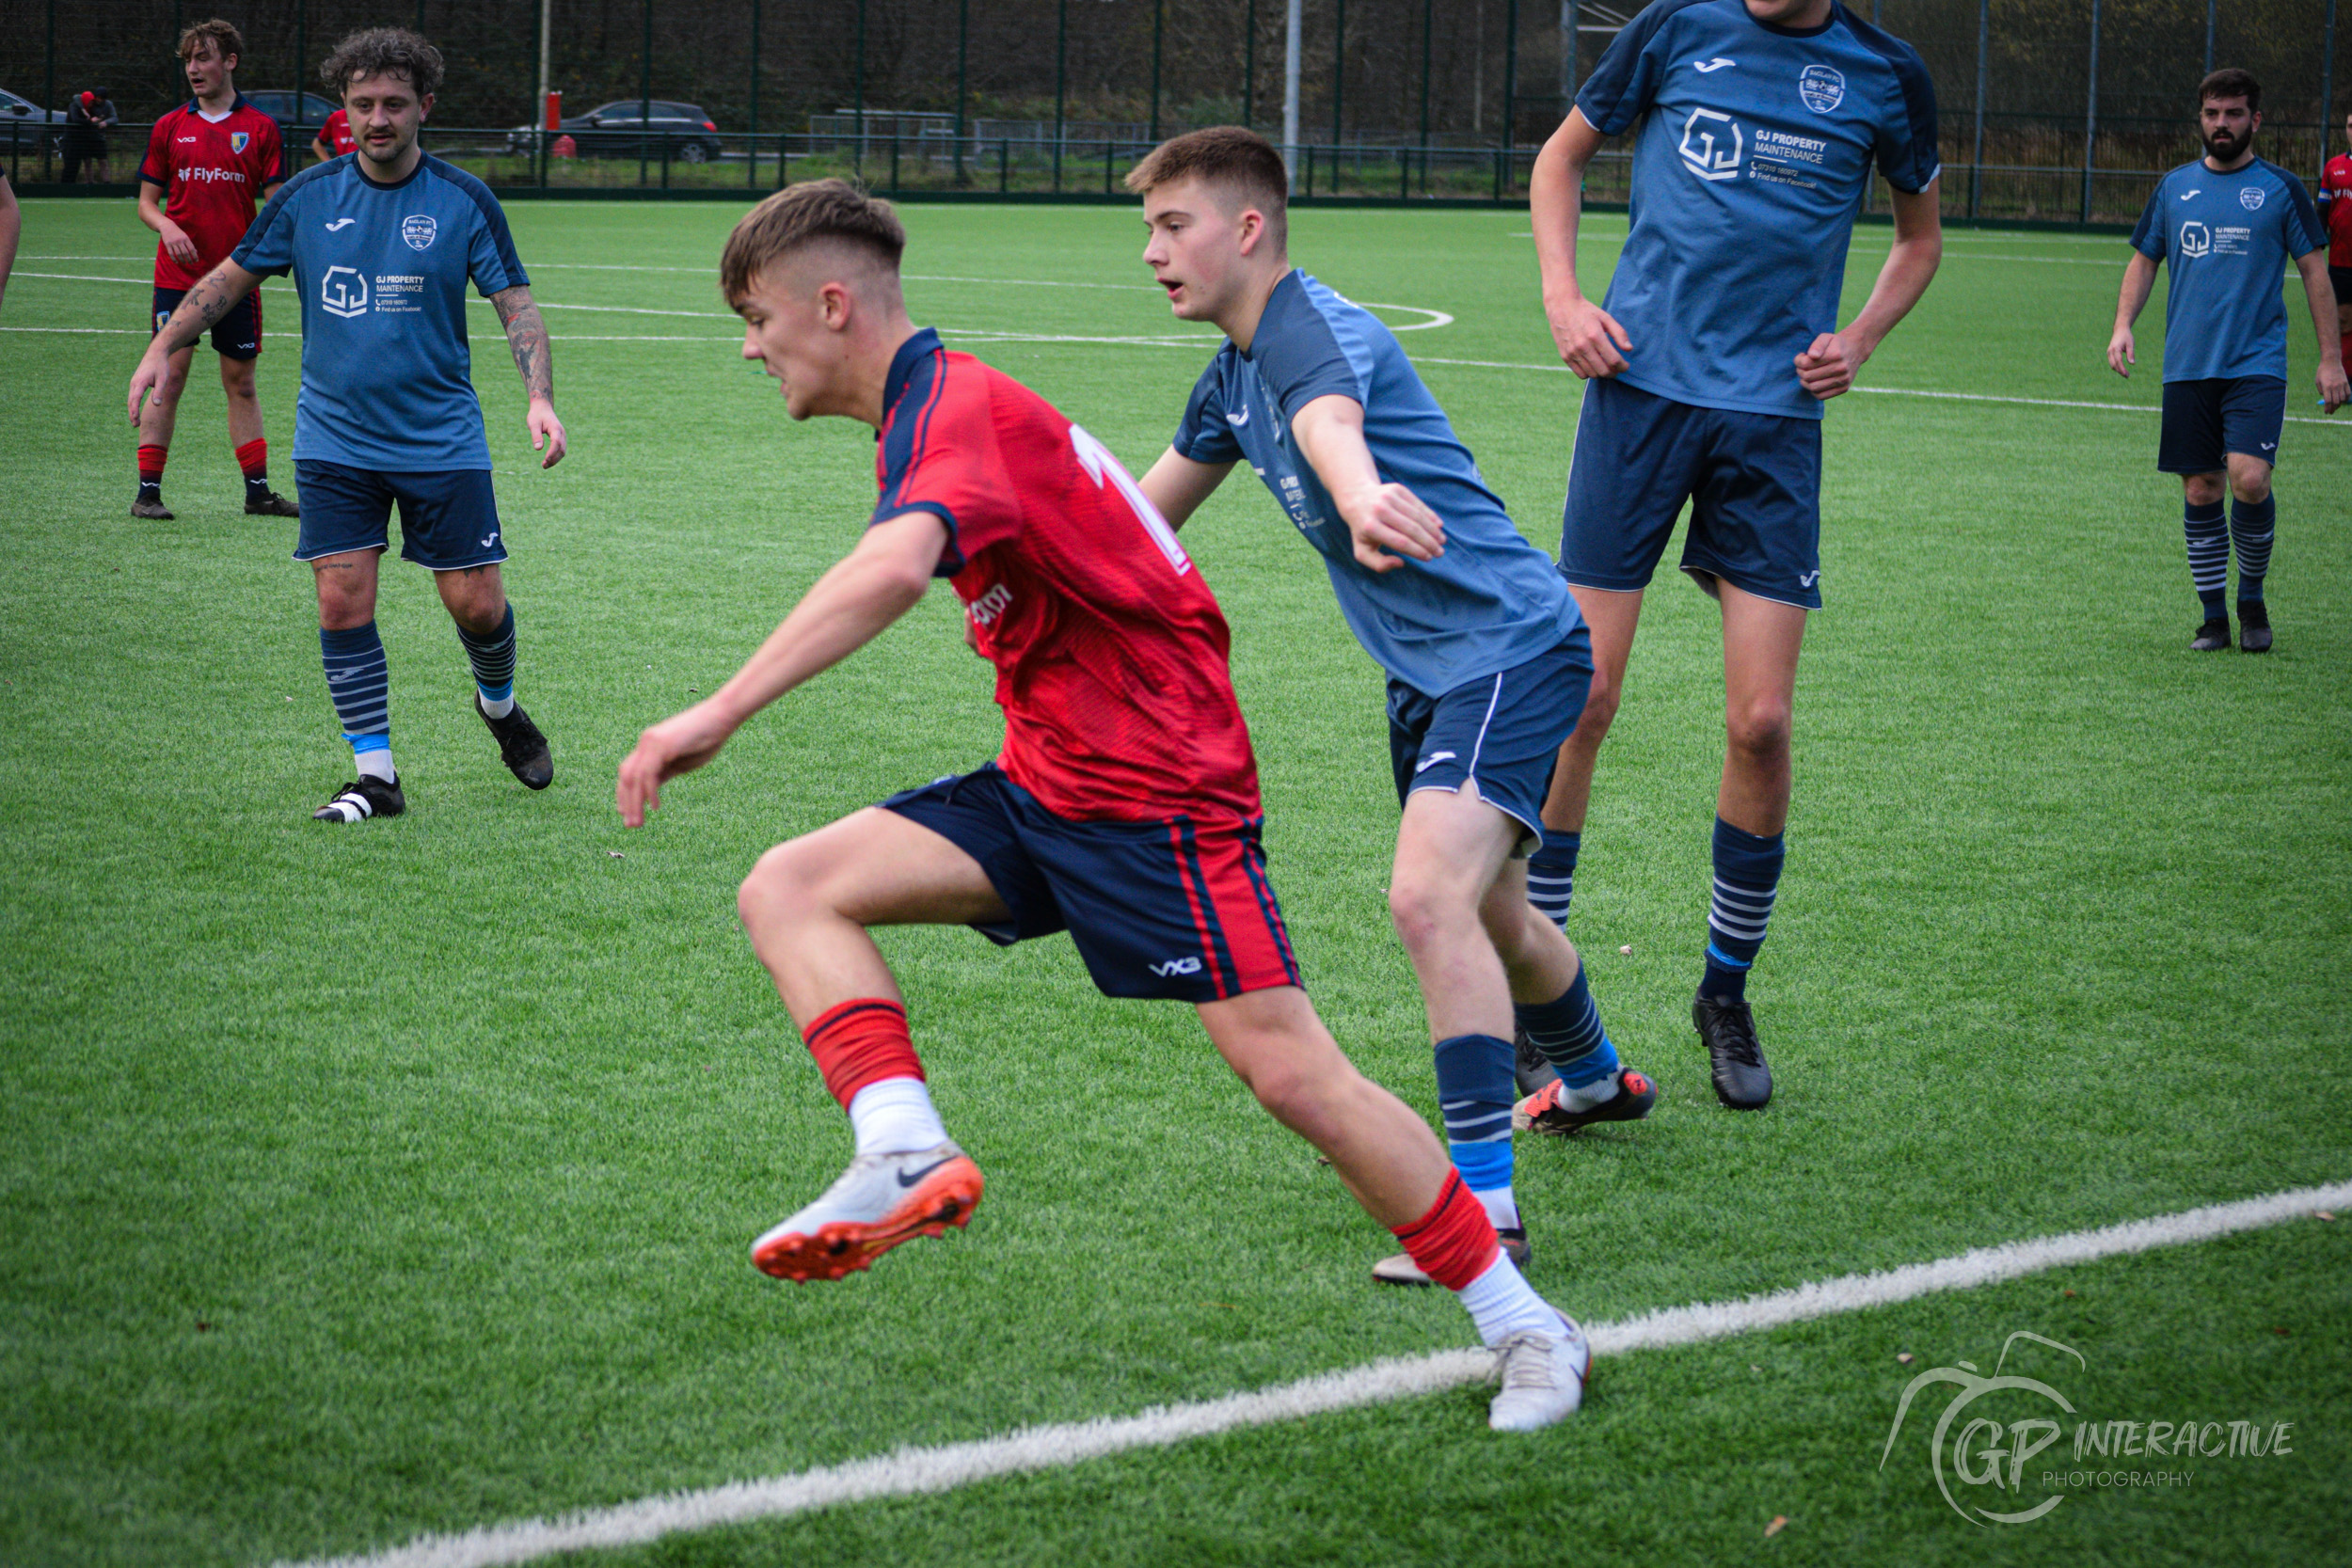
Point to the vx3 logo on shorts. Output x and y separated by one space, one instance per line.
341 223
1177 966
344 291
1706 67
1705 155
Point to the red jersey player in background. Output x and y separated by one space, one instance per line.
2335 211
208 161
1123 807
334 139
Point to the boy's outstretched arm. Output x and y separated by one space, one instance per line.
847 607
1176 485
1383 517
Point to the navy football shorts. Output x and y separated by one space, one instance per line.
2340 279
1753 482
1178 909
1500 735
2206 420
449 518
235 335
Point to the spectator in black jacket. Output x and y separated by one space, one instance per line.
86 121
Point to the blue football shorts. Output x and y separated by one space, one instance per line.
449 517
1500 734
1753 482
1176 909
2206 420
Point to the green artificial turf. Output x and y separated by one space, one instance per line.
356 1183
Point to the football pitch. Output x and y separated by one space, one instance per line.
368 1183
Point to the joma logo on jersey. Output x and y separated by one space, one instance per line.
2196 239
989 605
344 291
1711 145
1177 966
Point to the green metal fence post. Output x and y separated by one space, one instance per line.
644 95
1425 95
1004 165
751 173
1984 40
964 53
1249 66
48 88
2091 113
2210 7
1339 71
1062 82
857 87
1510 97
302 57
2327 83
1159 16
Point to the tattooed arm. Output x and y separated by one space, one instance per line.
527 336
214 293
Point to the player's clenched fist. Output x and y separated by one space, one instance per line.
1588 337
1828 368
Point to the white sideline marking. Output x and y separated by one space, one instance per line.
1901 392
910 1472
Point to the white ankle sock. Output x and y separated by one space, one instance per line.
895 1115
1598 1093
498 709
1501 1303
376 764
1503 1210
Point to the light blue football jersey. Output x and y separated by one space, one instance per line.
382 269
2227 239
1491 601
1755 150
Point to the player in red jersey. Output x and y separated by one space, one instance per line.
2335 211
207 161
334 139
1123 807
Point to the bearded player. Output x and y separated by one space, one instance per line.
206 161
382 246
1123 807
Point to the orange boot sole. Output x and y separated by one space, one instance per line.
947 1197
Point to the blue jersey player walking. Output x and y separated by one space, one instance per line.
1486 661
2226 226
382 245
1705 366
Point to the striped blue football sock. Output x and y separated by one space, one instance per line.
1567 1030
493 661
359 683
1474 1093
2208 532
1552 875
2253 525
1747 881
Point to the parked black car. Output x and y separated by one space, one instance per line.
280 106
616 130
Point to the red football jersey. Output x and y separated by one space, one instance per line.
336 134
212 172
2335 190
1111 654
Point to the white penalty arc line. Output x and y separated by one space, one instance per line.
1901 392
910 1472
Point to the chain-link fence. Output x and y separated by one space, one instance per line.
2051 110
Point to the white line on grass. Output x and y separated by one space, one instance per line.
1899 393
910 1472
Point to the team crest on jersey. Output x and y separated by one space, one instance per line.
2250 198
418 230
2196 239
237 140
1820 88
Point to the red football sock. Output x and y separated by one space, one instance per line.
253 457
1454 1242
151 463
862 1042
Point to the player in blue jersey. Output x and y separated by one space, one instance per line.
1485 658
381 245
2227 225
1705 368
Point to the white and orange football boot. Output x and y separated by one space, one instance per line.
881 1200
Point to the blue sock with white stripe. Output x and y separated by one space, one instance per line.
1552 875
1747 879
1567 1030
493 661
1474 1092
360 684
2253 525
2208 532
